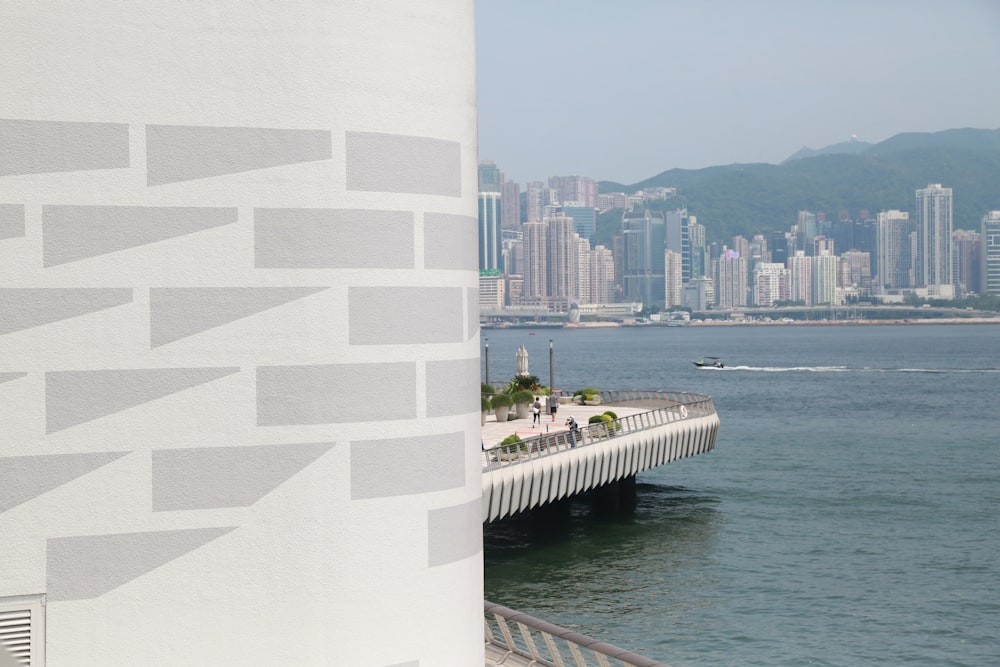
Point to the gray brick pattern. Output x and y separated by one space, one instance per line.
450 242
184 153
7 377
432 314
25 477
472 311
72 233
454 533
211 477
11 221
42 146
404 466
301 238
179 312
335 393
86 566
452 387
75 397
27 307
396 163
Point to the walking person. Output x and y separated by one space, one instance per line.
553 406
536 413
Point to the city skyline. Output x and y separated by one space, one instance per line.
719 82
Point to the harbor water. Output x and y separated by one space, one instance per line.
848 515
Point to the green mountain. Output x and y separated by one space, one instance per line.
747 199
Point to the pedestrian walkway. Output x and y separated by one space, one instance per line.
494 432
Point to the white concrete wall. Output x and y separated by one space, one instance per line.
238 290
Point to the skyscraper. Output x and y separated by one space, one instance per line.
800 269
489 231
731 280
677 238
642 257
490 178
991 253
673 279
510 202
894 259
934 241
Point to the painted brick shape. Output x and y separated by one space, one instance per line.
400 163
72 233
75 397
11 221
432 315
25 477
327 238
335 393
450 242
472 310
7 377
27 307
42 146
454 533
212 477
88 566
182 153
179 312
404 466
452 387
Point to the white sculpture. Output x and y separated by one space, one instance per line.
522 361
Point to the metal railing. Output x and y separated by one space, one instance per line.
513 638
678 407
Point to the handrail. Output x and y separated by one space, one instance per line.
542 642
679 406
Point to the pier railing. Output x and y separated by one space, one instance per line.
513 638
676 406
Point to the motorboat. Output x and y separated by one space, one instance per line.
709 362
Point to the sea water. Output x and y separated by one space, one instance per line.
848 515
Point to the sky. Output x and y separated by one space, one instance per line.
623 90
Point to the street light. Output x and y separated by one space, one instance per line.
487 360
552 380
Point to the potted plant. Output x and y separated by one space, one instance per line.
587 396
522 401
484 401
501 406
506 451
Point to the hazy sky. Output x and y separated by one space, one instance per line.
622 90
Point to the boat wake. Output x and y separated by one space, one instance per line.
849 369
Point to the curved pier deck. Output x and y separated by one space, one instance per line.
551 463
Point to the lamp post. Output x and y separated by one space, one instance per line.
552 377
487 360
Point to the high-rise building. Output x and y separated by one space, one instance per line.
535 265
536 197
673 274
855 272
490 178
510 202
581 189
602 275
563 262
699 294
800 270
584 217
779 248
824 279
894 257
677 238
934 227
731 281
246 335
642 257
771 284
489 232
965 261
990 253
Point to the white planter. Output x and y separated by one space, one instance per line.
501 412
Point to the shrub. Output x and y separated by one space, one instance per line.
486 388
596 419
586 391
510 439
486 403
611 414
523 396
502 400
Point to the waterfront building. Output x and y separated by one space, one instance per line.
490 244
731 281
965 261
771 284
699 294
824 279
800 270
894 255
602 275
563 262
673 279
643 243
696 238
855 271
492 290
535 265
990 270
244 336
934 227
